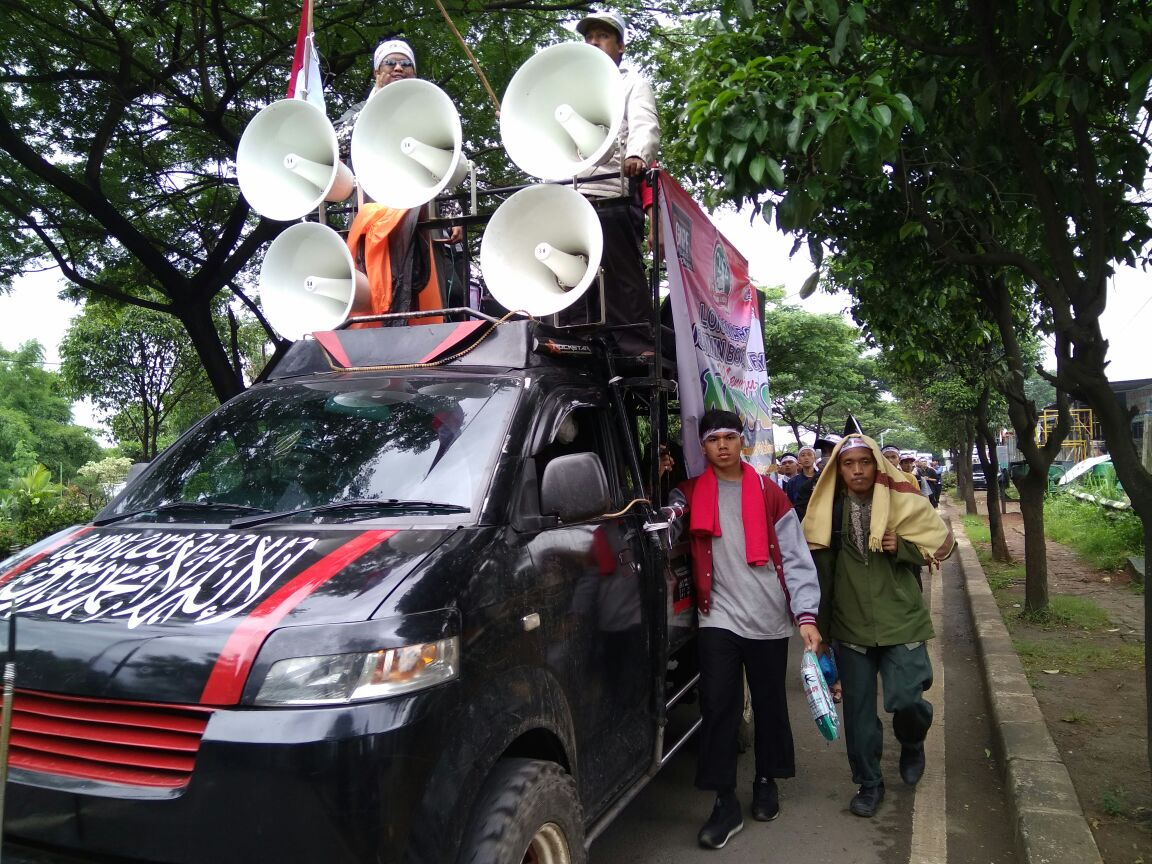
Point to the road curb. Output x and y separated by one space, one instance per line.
1050 825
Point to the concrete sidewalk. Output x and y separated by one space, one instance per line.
1050 826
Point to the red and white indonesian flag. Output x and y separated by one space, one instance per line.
719 336
305 81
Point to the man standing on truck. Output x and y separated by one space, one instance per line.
870 529
754 577
627 295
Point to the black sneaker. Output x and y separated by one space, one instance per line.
765 799
724 822
866 800
911 764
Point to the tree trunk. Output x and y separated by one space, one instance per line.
996 296
986 449
1115 422
197 320
1032 487
964 474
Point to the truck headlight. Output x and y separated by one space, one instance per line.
340 678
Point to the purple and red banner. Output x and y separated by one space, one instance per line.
719 336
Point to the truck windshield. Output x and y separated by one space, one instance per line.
299 445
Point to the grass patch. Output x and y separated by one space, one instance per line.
1071 657
1114 802
1000 575
1067 625
976 529
1069 613
1003 576
1104 537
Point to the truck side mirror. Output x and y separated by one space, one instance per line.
574 488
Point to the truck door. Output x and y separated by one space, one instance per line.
604 636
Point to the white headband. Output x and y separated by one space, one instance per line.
854 444
712 432
392 46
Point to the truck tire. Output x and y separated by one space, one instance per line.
528 813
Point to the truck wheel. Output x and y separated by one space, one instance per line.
746 733
527 813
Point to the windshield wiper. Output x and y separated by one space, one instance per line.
386 505
177 506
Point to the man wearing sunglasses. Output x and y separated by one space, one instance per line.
393 60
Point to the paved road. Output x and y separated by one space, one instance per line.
957 814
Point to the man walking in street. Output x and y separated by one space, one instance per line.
932 478
754 579
869 527
804 480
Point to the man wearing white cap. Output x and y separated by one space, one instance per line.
627 295
800 487
787 466
393 60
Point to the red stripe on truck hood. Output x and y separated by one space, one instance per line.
226 683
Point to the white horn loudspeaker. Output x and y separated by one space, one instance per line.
541 250
562 111
406 144
288 161
309 282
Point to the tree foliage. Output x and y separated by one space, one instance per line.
36 425
138 367
818 368
1009 138
120 124
99 479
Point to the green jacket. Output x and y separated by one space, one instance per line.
873 601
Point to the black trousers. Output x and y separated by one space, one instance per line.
724 656
627 292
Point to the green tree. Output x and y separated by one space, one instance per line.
137 366
99 479
36 419
120 125
1009 136
35 507
818 369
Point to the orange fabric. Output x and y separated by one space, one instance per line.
374 224
429 297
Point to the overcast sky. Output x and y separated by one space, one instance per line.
32 310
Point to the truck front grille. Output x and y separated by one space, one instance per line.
134 743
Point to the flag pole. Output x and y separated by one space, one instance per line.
468 52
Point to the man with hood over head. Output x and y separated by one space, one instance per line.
869 528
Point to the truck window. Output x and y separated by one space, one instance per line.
293 445
583 430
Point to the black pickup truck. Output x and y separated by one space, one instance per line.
395 603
